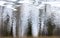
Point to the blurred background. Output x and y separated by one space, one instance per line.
29 18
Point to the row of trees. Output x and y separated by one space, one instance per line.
27 17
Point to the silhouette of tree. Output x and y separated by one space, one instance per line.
50 27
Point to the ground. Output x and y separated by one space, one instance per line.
32 37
